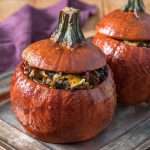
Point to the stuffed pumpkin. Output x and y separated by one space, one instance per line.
63 90
124 37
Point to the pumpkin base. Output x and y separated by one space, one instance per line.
72 117
130 65
58 140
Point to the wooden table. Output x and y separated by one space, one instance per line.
129 130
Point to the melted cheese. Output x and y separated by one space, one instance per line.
75 81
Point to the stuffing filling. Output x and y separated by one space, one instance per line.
138 43
59 80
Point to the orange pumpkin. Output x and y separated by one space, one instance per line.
124 36
53 93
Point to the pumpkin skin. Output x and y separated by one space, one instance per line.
46 54
125 25
130 64
131 68
60 115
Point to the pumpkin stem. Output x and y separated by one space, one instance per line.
68 32
134 6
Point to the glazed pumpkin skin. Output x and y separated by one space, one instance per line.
130 63
48 55
125 25
131 68
60 115
131 23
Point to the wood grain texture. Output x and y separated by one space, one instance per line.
144 146
4 85
132 138
14 139
5 146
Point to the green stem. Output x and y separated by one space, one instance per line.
135 6
68 31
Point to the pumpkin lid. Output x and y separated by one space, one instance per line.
130 23
66 50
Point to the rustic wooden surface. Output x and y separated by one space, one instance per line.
17 140
129 130
4 85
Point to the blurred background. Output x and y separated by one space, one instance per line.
8 7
